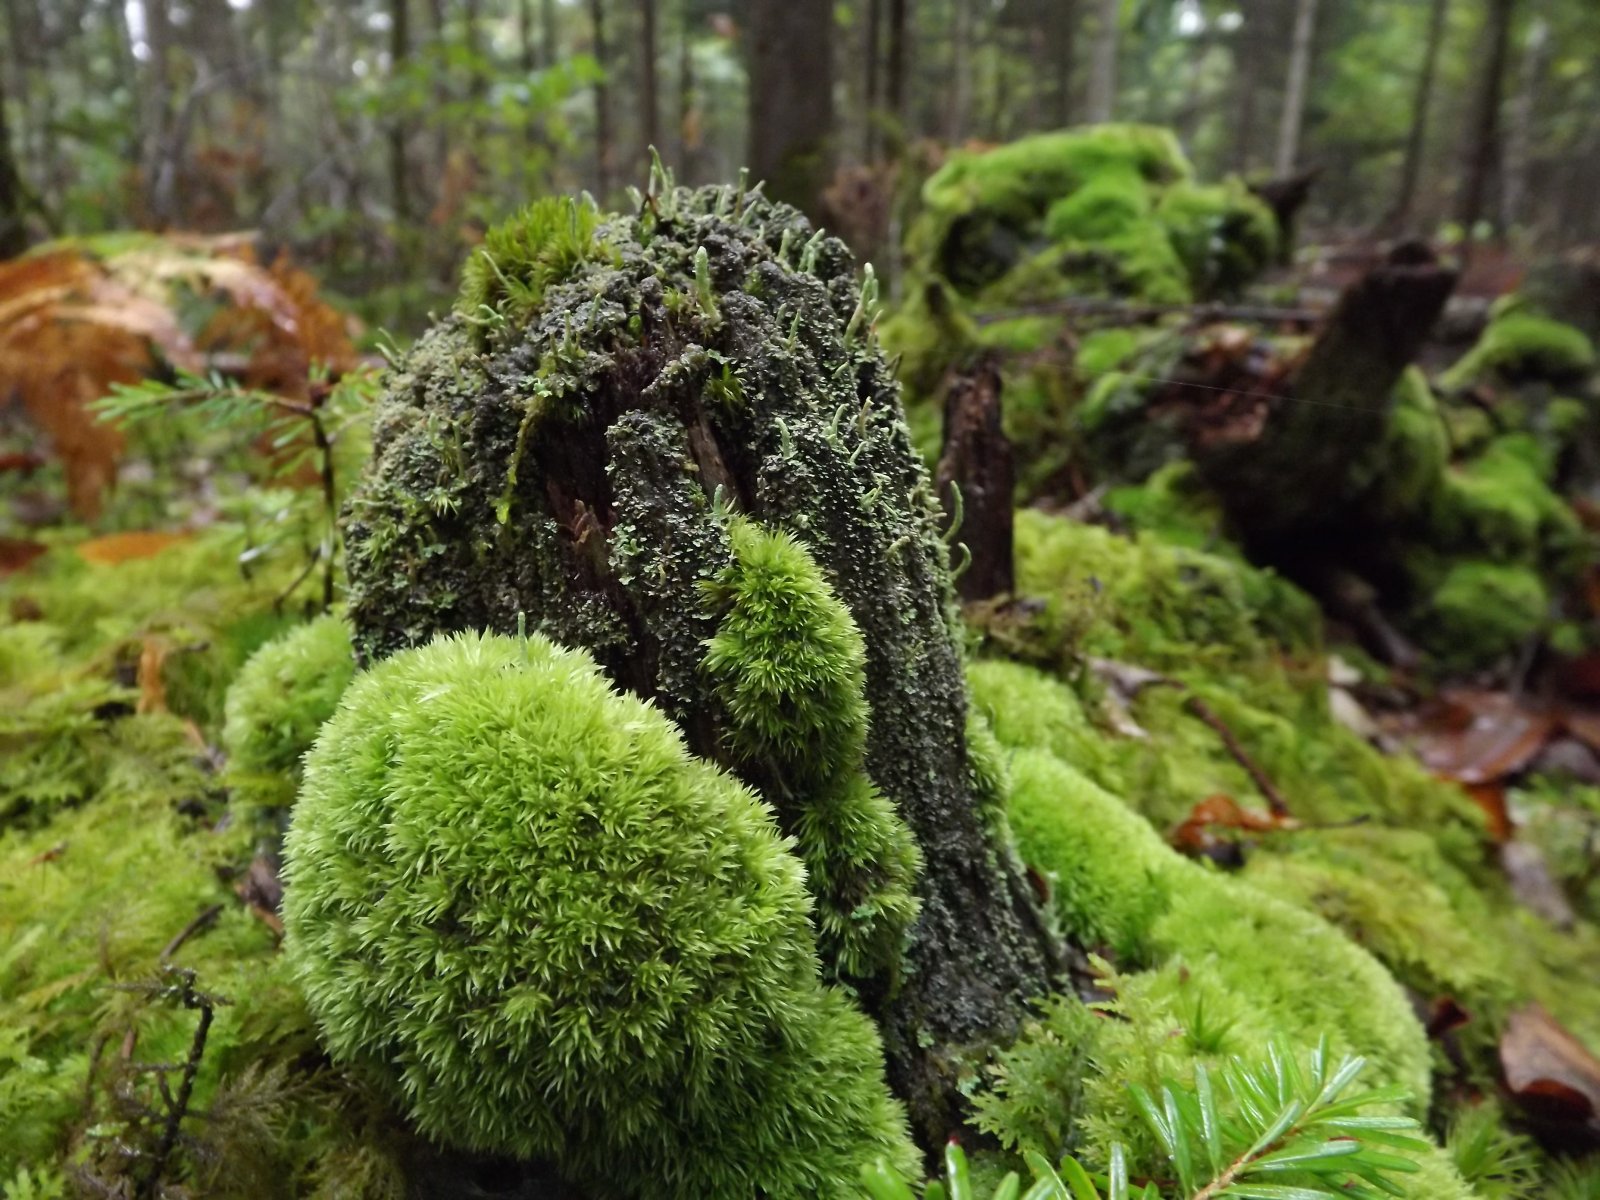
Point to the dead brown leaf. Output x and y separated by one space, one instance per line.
116 548
1551 1074
1204 829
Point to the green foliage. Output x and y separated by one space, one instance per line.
1033 1098
1499 1163
788 664
1483 612
278 701
518 901
1518 344
1397 479
505 280
1159 604
1574 1180
787 661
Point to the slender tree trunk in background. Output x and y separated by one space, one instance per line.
13 229
441 93
1519 136
158 91
527 42
688 117
1294 88
399 58
1101 100
894 90
960 72
791 98
649 128
1482 151
602 101
1061 34
1249 47
873 54
1417 135
547 33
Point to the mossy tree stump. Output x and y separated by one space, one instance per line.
573 448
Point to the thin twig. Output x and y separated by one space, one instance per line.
201 920
1264 785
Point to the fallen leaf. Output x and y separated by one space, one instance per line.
1479 737
1445 1015
116 548
17 553
1551 1075
1491 797
1199 831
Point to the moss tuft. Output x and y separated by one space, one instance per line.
276 704
1483 612
1519 344
506 278
517 900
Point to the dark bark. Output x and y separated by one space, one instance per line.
1061 39
649 127
896 68
873 53
13 205
602 100
975 461
1416 137
547 33
1286 197
1481 154
1285 471
791 99
399 57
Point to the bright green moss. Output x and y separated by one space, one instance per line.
1483 612
1229 966
518 900
1223 235
1519 344
1107 206
788 664
1027 708
787 661
1407 467
505 279
1174 503
277 703
1499 505
1157 603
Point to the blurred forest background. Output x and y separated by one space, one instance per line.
377 138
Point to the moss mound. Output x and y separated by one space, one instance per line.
517 899
1517 344
276 704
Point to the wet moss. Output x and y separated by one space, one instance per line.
1518 344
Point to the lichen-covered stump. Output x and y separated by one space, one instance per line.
578 444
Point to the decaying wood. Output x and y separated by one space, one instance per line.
976 478
1284 474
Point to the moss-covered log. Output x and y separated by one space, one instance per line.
577 444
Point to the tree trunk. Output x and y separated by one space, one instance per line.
1284 471
602 101
873 54
1481 154
894 83
157 101
1294 88
13 208
1417 135
791 98
1102 98
1519 139
547 33
960 72
649 129
1061 35
611 519
399 58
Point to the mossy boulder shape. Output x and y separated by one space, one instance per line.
1518 345
278 701
580 445
549 930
